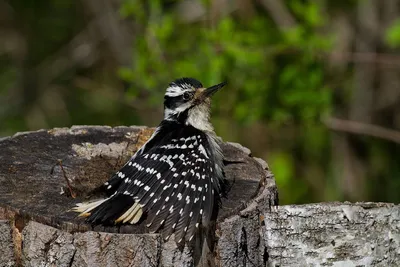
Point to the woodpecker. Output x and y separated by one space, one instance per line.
176 178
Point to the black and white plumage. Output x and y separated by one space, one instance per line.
175 178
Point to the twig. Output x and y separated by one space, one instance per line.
362 128
66 179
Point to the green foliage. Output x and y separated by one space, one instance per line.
392 35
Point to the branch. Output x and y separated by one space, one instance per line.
362 128
388 59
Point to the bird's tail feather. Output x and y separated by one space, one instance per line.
132 215
112 210
85 207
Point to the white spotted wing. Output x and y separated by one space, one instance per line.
174 180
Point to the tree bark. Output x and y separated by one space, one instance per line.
36 228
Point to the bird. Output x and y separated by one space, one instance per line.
175 180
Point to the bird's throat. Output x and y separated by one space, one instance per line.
199 117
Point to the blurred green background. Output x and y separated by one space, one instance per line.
313 86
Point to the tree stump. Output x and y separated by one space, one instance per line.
45 173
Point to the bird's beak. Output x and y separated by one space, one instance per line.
204 93
211 90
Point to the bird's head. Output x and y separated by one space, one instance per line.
187 101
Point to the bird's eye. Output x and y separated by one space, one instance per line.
186 95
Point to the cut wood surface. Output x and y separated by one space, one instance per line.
37 229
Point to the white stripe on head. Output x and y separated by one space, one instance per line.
174 90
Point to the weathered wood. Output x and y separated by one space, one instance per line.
335 234
37 229
323 234
6 244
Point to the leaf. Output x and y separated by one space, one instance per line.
392 34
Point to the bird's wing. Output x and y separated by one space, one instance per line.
173 181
